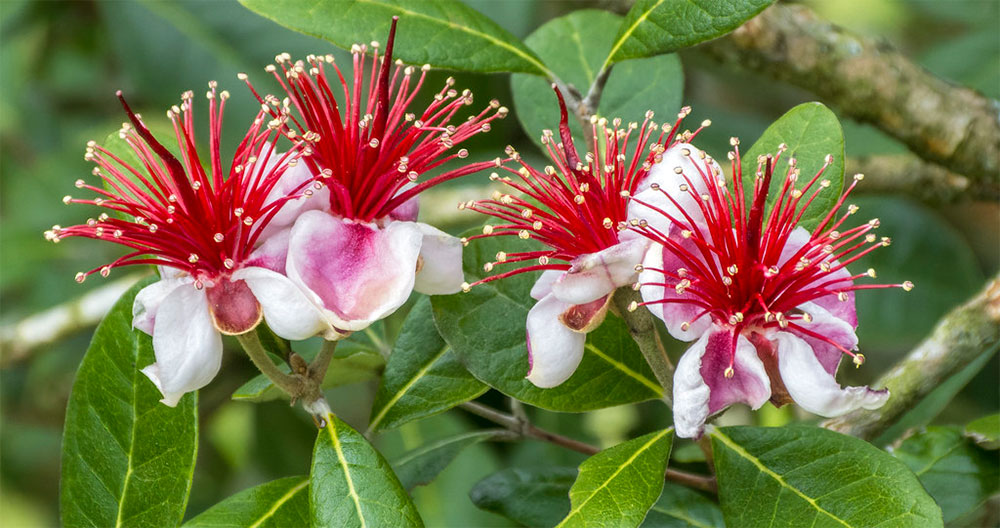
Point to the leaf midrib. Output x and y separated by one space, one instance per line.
625 369
131 444
531 60
280 502
739 450
628 33
621 467
331 429
402 391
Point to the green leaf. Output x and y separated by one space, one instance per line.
354 361
790 476
352 485
575 46
955 471
654 27
811 131
486 328
620 484
680 507
985 431
537 496
445 34
421 465
127 459
282 502
423 376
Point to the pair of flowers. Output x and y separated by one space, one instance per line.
768 305
320 239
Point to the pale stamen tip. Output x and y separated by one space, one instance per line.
633 306
907 285
729 373
466 287
859 359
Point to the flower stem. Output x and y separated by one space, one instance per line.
642 326
251 343
303 383
525 428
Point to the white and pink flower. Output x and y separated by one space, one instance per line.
577 209
358 258
768 305
205 232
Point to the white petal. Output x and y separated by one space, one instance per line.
148 300
694 172
812 387
543 286
554 351
441 253
291 182
673 314
357 273
272 253
188 348
834 328
595 275
844 310
691 393
287 310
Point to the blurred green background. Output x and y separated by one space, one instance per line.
61 62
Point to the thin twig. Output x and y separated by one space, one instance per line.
525 428
959 337
908 175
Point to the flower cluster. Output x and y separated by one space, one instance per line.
768 304
320 239
577 208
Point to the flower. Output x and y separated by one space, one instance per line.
204 231
577 209
359 258
768 304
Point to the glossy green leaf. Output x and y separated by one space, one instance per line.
619 485
574 46
811 132
654 27
421 465
127 459
680 507
354 361
445 34
282 502
790 476
423 376
486 327
959 474
352 485
985 431
536 496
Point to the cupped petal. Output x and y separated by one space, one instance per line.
543 286
554 351
681 173
272 253
148 300
287 309
701 387
595 275
356 273
674 309
839 331
408 210
440 268
187 347
293 182
845 309
812 387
